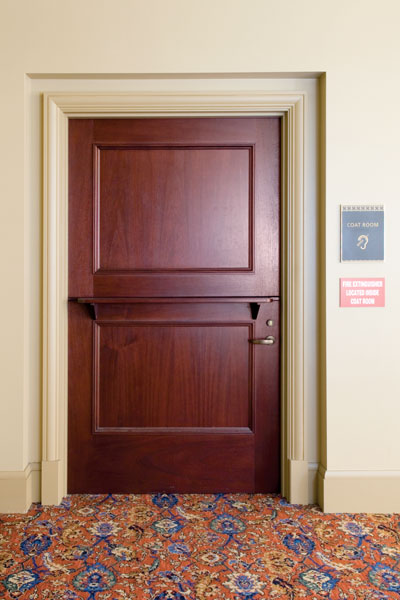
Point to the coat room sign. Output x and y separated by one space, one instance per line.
362 230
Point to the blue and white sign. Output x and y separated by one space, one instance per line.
362 232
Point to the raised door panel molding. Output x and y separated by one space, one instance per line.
133 360
199 186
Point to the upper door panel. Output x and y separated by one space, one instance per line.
174 207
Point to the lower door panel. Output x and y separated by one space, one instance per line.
173 397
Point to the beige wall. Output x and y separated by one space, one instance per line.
356 43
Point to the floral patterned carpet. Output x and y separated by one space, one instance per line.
196 547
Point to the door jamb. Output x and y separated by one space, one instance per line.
58 108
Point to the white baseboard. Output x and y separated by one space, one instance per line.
18 489
335 491
359 491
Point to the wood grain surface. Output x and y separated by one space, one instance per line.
173 234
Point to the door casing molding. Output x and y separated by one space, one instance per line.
58 108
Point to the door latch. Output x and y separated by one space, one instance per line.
268 341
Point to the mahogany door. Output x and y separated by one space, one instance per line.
173 274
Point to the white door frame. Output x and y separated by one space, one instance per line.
58 107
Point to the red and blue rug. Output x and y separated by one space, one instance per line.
196 547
